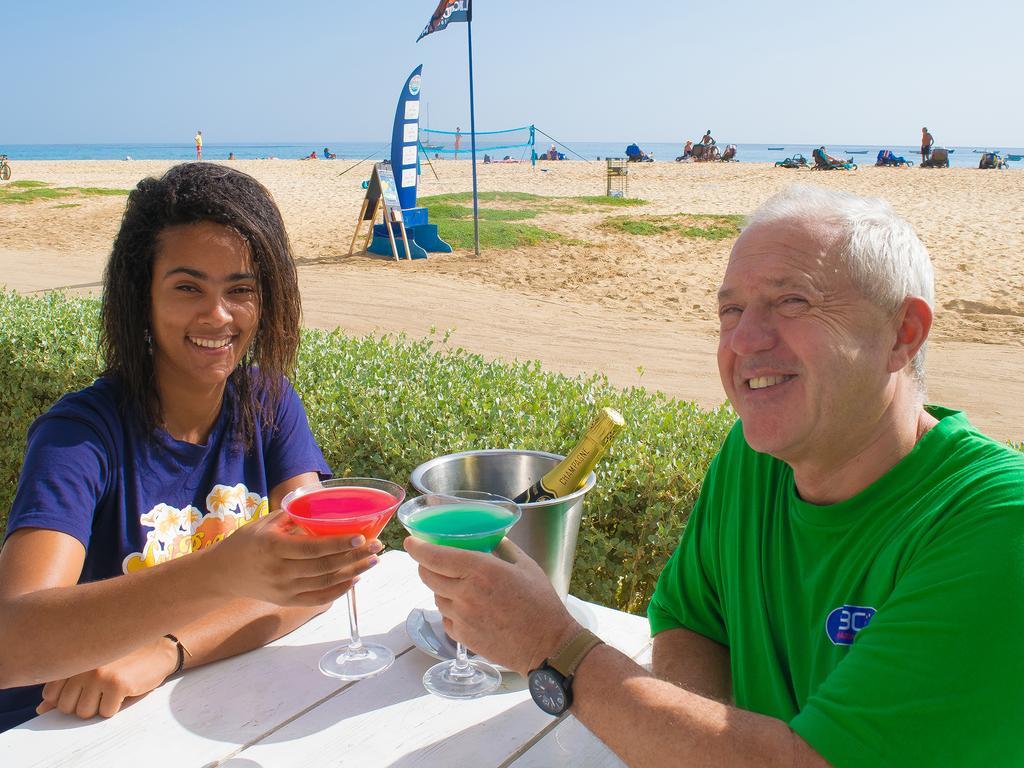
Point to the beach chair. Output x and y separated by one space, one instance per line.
796 161
939 158
886 157
991 160
706 153
822 163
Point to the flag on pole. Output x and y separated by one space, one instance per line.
447 11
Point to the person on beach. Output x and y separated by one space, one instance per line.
199 145
458 141
707 140
328 155
926 144
145 535
846 588
833 160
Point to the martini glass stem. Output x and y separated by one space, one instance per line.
460 665
355 644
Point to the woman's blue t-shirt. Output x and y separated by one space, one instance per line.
135 500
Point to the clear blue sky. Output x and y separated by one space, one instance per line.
114 71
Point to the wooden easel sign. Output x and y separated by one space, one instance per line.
382 195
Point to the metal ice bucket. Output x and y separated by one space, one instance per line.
547 530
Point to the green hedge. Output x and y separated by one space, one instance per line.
380 407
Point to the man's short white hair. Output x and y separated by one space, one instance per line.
887 260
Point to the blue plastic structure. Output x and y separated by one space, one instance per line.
422 235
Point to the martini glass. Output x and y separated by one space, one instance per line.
354 506
467 520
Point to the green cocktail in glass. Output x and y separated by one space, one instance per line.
467 520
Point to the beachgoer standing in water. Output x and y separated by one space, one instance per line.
199 145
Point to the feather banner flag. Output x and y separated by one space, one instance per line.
448 11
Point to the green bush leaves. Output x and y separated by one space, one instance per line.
381 406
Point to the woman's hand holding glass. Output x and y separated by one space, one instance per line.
271 559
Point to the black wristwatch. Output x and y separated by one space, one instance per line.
551 682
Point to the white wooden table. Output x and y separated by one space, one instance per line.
272 707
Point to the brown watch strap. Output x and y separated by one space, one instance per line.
571 655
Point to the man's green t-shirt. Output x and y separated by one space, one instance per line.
887 629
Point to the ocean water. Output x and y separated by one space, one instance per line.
964 157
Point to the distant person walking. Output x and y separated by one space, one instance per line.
926 144
199 145
458 141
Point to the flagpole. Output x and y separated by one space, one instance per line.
472 130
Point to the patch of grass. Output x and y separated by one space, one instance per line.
706 226
100 191
68 205
621 202
443 211
32 194
710 233
454 220
28 191
635 226
497 235
500 214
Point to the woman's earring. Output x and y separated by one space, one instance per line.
149 344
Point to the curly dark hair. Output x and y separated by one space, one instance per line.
191 193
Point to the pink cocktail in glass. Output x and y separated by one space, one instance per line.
348 506
330 511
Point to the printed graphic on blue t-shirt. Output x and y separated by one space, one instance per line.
135 500
176 532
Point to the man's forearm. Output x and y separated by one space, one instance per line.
694 662
650 722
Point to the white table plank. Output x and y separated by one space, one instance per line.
392 721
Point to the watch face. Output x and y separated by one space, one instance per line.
547 690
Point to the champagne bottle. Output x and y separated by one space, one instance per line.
571 472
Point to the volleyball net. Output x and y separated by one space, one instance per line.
450 142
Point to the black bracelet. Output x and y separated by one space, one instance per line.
182 650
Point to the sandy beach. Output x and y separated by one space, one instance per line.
640 308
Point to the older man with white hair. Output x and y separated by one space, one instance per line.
848 589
